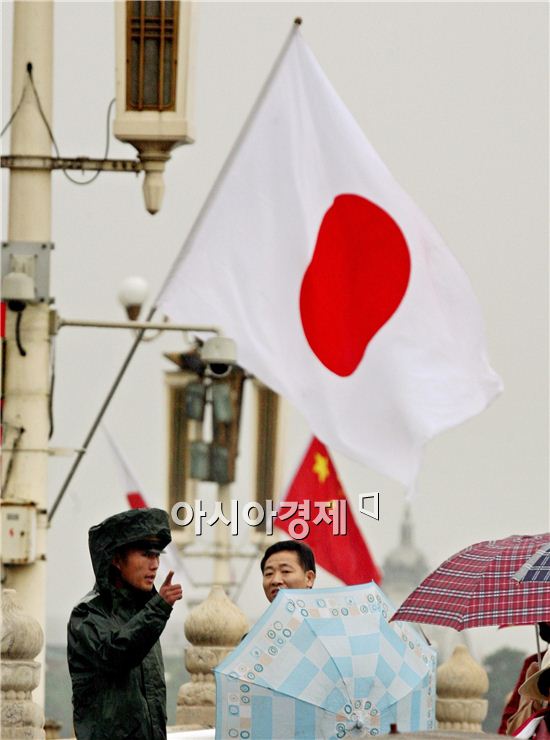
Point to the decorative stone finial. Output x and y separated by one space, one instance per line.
217 621
22 640
213 628
22 636
461 684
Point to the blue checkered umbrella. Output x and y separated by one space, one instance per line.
537 568
325 663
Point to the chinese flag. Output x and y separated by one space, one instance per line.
344 555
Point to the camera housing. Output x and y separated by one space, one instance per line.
18 290
219 354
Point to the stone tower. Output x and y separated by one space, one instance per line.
404 569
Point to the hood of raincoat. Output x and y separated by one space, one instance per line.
122 529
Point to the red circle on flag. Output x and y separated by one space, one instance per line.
354 283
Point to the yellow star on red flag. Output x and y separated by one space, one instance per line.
316 482
321 467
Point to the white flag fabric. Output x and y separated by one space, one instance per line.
339 292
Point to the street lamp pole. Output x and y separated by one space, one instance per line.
154 123
26 385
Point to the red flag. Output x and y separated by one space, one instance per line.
136 500
315 510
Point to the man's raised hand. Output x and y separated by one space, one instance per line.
170 592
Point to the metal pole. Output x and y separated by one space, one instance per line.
539 652
27 376
135 325
222 575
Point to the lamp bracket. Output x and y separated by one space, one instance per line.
27 162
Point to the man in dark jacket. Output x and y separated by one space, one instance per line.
114 654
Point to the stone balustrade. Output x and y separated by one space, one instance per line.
213 628
461 685
22 640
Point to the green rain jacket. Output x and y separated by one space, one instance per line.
113 648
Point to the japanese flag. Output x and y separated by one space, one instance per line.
339 292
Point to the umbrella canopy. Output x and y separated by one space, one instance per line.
325 663
537 568
475 588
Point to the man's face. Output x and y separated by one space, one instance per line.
138 567
283 570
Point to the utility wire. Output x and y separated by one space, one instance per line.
49 129
16 441
16 111
20 347
50 132
50 395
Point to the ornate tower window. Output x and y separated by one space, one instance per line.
151 54
154 80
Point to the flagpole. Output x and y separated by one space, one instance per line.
230 157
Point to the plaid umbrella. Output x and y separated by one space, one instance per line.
325 663
537 568
475 588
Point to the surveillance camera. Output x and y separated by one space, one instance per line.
18 290
219 354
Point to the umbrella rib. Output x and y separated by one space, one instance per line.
284 693
319 637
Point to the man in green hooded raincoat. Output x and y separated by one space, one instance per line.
113 649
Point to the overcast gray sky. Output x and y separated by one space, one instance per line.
454 98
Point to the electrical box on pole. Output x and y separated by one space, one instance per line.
18 532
